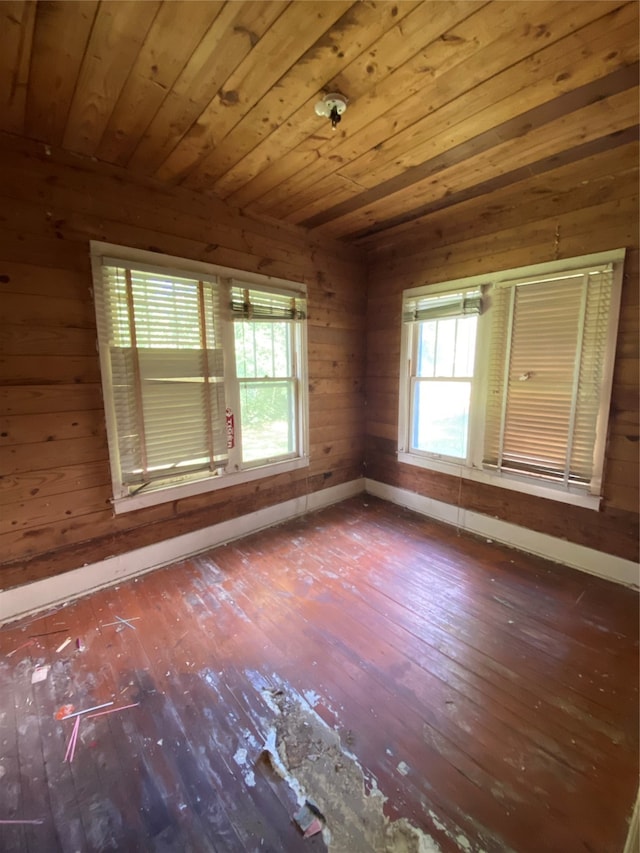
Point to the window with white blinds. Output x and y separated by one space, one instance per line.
548 347
174 349
164 339
529 410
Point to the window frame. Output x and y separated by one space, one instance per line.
235 473
472 468
416 380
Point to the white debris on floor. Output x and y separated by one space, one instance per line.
309 756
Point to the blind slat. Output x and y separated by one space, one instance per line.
438 306
248 303
178 420
534 411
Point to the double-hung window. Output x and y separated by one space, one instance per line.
507 378
443 356
203 373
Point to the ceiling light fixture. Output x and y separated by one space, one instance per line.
332 107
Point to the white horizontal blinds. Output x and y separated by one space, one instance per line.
590 377
500 314
167 373
113 311
544 338
252 303
440 305
545 370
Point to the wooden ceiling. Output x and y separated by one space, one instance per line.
447 100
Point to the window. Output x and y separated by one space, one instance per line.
443 355
203 374
507 379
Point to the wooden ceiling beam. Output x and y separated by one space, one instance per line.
521 128
475 50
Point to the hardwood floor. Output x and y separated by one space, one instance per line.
489 696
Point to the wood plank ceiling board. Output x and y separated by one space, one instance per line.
60 38
599 120
303 135
297 29
488 59
354 32
118 33
444 225
542 77
454 61
589 153
171 41
230 38
372 80
303 126
447 101
16 36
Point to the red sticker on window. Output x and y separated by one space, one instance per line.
231 430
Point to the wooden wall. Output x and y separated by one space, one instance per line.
54 476
55 488
588 206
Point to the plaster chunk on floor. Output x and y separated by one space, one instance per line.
308 754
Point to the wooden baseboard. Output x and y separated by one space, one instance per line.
36 596
588 560
62 588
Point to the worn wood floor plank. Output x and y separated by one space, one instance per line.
491 696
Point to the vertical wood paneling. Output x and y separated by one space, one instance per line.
54 475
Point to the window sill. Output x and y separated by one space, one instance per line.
503 481
202 486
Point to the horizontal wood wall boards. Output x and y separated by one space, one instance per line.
55 484
566 212
54 489
63 584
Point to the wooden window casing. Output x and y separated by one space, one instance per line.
542 378
170 385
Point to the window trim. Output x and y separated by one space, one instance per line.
414 382
473 469
108 253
